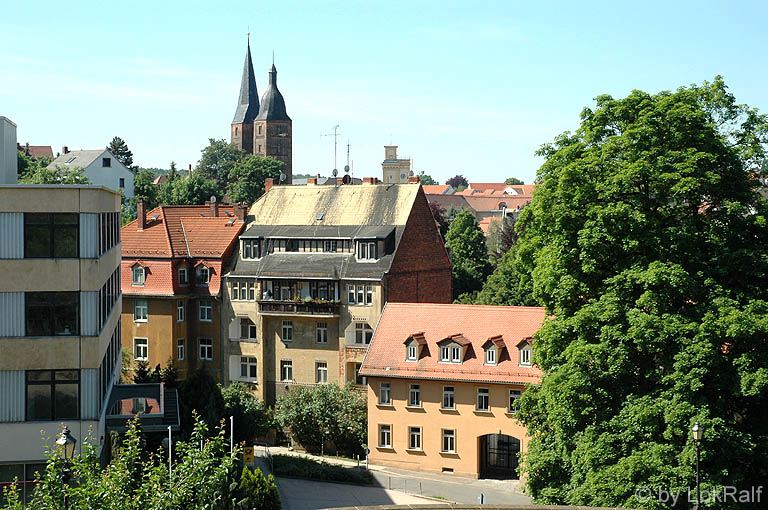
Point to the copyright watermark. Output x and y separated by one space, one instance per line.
722 494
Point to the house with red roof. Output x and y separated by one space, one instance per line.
443 387
172 262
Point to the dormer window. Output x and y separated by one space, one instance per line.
138 275
183 276
251 249
490 356
203 275
366 250
413 352
413 346
525 355
445 353
455 354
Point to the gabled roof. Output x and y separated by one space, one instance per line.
248 102
37 151
81 158
477 323
438 189
181 231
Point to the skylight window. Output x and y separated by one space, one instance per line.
320 216
70 160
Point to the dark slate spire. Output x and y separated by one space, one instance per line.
272 102
248 104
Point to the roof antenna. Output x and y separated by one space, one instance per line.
249 35
273 58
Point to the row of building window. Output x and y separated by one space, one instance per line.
449 402
205 349
108 363
455 354
286 290
255 248
109 230
363 332
108 296
202 275
51 235
448 443
204 310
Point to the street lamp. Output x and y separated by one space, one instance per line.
65 446
698 432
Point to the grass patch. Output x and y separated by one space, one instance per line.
300 467
439 497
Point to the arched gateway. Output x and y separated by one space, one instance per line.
498 455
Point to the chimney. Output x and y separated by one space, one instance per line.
312 180
240 212
65 150
369 180
141 213
413 179
214 207
268 183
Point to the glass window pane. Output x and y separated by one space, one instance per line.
66 401
65 219
39 375
38 241
65 241
9 472
39 402
67 375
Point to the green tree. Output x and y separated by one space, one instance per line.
647 242
466 244
325 411
120 151
248 175
438 213
217 161
513 180
201 394
252 417
510 283
425 179
141 372
144 189
194 190
58 175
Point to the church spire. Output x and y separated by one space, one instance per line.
272 102
248 103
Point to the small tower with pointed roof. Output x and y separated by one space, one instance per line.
247 106
272 127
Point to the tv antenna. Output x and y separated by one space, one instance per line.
346 167
335 135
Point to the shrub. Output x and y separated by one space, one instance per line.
252 417
301 467
256 491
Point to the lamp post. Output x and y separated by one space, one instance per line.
697 433
65 445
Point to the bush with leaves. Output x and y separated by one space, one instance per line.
200 393
253 418
325 411
206 478
256 492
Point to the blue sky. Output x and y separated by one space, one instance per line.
462 87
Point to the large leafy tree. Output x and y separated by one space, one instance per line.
120 151
458 181
248 175
144 188
217 161
426 178
513 180
251 416
647 242
194 190
469 256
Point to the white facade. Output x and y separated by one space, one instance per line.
8 156
101 168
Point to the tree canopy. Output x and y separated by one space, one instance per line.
425 179
458 181
120 151
247 176
38 174
646 240
469 256
217 160
513 180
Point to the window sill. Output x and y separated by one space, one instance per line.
139 320
205 320
511 414
415 451
140 359
486 412
385 406
449 410
137 285
415 408
449 454
385 448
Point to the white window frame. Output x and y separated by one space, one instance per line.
235 295
413 353
185 272
321 372
287 331
142 276
205 351
286 368
414 395
141 349
448 443
202 269
449 392
456 354
385 394
483 397
445 354
140 310
205 310
248 362
321 332
385 436
351 294
525 356
251 329
180 349
514 401
181 311
414 438
490 356
364 332
368 294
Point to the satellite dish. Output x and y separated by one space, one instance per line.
335 172
346 168
282 177
346 179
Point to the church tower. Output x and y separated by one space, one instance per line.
247 107
272 127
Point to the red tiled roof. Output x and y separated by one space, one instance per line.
488 203
477 323
161 280
437 189
482 186
485 223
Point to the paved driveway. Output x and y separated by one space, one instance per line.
311 495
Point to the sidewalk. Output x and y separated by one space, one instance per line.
452 488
